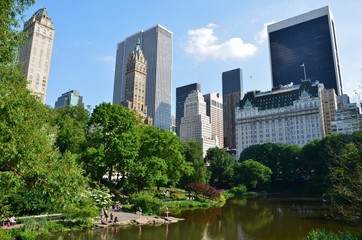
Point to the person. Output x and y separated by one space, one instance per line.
12 220
111 218
116 219
7 223
106 214
167 212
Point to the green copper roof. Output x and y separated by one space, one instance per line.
280 97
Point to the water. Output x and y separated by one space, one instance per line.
244 219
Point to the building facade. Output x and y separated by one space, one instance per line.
71 98
181 95
156 44
232 93
347 117
305 47
135 89
195 124
214 109
35 54
329 100
291 114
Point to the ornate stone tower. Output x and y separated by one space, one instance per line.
135 89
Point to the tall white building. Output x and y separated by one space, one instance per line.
36 53
291 114
195 124
214 109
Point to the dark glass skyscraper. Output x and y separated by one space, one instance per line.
181 95
232 90
156 44
305 46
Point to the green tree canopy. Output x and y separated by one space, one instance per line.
251 173
160 160
221 167
112 142
71 122
192 151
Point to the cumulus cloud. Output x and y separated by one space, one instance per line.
108 58
203 44
262 36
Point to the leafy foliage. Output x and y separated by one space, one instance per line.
159 161
221 167
192 151
252 173
203 189
239 190
146 202
71 122
112 141
323 235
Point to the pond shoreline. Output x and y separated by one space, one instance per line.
127 219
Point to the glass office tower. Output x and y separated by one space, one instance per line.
156 44
305 46
232 90
181 95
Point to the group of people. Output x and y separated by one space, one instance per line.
9 221
105 218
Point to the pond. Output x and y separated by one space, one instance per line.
244 219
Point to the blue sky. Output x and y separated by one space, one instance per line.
209 37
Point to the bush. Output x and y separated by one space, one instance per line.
178 196
55 227
26 236
203 189
239 190
146 202
6 234
323 235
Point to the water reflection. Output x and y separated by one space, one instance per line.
245 219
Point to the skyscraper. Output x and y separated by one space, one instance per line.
136 75
71 98
156 44
232 90
36 53
181 95
214 109
305 46
195 124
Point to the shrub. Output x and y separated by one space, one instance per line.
203 189
26 236
239 190
55 227
323 235
6 234
146 202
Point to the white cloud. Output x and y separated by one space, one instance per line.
108 58
203 44
262 36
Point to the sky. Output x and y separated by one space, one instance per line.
209 37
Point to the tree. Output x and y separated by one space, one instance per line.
34 177
282 159
251 173
192 151
221 167
159 161
71 122
10 39
112 142
346 178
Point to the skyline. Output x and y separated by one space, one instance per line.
206 42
